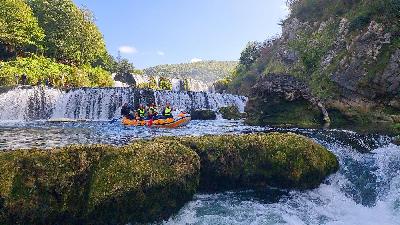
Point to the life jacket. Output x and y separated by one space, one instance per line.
167 111
152 110
141 112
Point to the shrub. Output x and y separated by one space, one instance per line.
40 69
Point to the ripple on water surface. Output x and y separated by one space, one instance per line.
16 135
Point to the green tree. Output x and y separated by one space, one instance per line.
19 29
71 34
250 54
165 84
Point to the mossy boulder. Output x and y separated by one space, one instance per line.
203 115
230 113
139 183
283 160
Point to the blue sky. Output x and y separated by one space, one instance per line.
153 32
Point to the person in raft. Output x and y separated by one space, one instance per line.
126 111
167 112
141 111
152 111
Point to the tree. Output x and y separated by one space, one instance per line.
19 29
71 34
250 54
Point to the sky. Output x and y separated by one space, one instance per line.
154 32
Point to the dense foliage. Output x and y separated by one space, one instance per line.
206 71
71 48
41 70
19 29
71 35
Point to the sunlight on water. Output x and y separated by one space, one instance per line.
15 135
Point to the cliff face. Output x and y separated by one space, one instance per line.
349 56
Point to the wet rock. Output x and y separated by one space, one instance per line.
230 113
283 160
203 115
140 183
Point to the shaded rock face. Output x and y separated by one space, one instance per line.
277 95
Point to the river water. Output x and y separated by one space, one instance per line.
365 191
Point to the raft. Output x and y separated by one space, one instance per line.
180 121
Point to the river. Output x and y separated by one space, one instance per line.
365 191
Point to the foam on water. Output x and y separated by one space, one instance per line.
366 191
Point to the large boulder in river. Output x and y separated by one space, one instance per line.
148 181
283 160
230 113
139 183
204 114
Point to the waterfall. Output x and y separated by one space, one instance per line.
40 103
24 103
187 101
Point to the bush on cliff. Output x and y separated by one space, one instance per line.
259 160
139 183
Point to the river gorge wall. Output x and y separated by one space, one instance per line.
40 103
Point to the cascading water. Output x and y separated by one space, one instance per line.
365 191
28 103
40 103
199 100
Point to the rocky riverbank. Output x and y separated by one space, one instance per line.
334 60
150 180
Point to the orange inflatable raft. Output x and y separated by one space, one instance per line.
181 120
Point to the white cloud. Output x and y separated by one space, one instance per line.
195 60
160 53
128 49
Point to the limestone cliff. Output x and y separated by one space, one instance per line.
347 52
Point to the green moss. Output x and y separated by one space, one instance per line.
258 160
97 184
150 184
230 113
149 180
283 113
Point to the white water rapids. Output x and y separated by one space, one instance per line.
365 191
